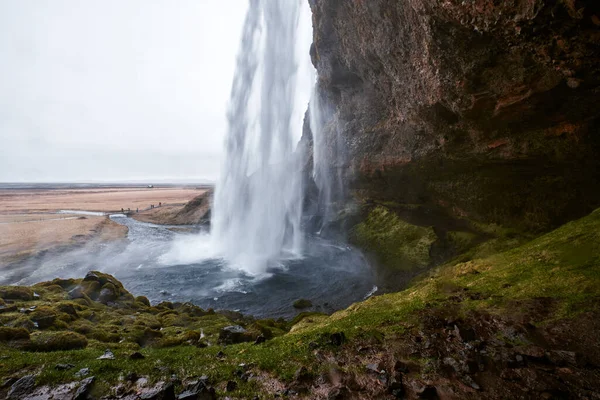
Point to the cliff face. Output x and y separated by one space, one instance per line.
477 110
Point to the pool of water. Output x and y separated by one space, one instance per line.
154 263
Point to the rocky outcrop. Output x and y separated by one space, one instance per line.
465 110
195 212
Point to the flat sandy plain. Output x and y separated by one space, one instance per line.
29 222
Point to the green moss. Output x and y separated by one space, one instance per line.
16 293
8 334
396 243
55 341
302 303
563 266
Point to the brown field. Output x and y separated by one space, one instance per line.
108 200
29 223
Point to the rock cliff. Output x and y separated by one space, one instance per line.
455 111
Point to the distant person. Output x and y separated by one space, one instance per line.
137 210
122 211
160 204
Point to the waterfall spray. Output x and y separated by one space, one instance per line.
258 199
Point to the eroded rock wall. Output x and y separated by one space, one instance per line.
481 110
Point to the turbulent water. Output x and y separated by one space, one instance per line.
257 259
258 201
332 275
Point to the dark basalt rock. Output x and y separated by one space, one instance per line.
84 388
22 387
497 121
234 334
164 392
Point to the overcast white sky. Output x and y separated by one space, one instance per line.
115 89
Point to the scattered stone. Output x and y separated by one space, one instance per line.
337 338
467 380
302 303
231 386
234 334
63 367
220 354
198 391
108 355
427 392
22 387
260 339
82 372
36 296
164 392
84 388
373 368
136 356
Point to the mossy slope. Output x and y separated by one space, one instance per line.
559 271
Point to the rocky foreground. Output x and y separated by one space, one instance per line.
512 324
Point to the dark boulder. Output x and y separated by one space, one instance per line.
84 388
234 334
22 387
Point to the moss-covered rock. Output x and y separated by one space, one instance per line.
302 303
55 341
8 334
16 293
396 243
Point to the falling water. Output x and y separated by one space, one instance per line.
258 200
329 158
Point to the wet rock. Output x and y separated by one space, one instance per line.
467 380
76 293
63 367
136 356
260 339
234 334
302 303
108 355
108 294
22 387
198 390
84 388
337 338
82 372
162 392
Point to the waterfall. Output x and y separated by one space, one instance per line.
258 199
329 159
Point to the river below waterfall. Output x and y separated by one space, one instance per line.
332 275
